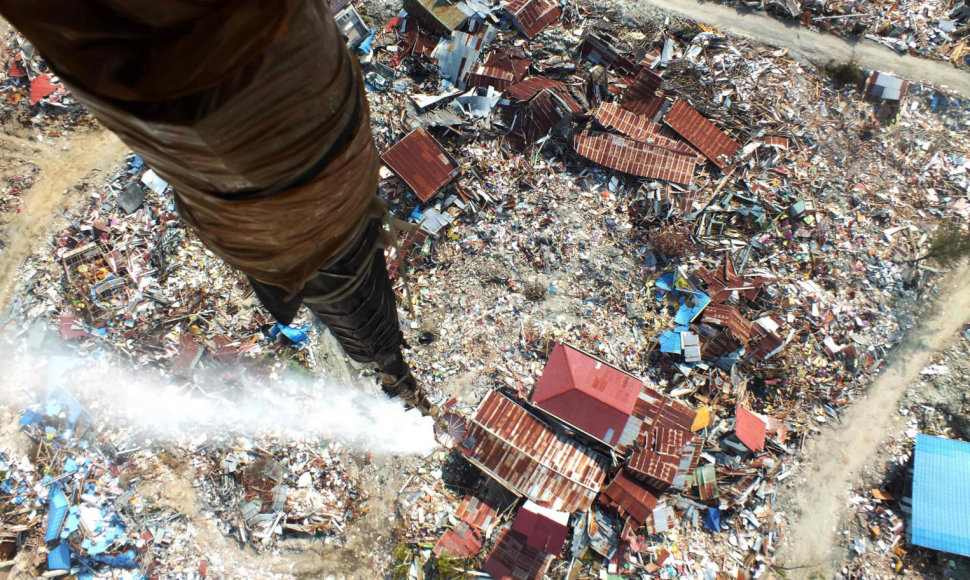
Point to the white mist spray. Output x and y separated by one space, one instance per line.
294 406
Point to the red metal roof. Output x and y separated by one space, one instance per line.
462 542
587 393
421 162
527 456
17 67
701 133
41 87
513 559
630 498
540 530
750 429
668 456
532 16
476 512
635 158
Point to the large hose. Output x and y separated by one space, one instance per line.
255 113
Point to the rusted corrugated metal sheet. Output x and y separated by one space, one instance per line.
750 429
641 96
660 410
525 90
421 162
538 105
701 133
668 457
730 318
635 158
725 280
777 141
527 456
461 542
503 69
532 16
641 129
630 498
513 558
476 512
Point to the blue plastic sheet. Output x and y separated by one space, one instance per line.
298 336
712 519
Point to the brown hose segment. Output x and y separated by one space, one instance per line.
229 101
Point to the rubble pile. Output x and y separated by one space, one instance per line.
937 29
875 533
32 95
651 200
723 237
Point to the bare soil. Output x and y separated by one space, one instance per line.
832 462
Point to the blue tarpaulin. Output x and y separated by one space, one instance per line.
712 519
298 336
690 307
56 512
941 494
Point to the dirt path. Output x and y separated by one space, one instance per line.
805 44
840 452
61 167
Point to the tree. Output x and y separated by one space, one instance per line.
948 245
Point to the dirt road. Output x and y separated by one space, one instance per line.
61 167
836 457
805 44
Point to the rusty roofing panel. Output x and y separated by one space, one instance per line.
513 558
630 498
642 129
641 96
730 318
476 512
669 454
750 429
660 410
635 158
701 133
525 90
532 16
490 76
527 456
421 162
462 542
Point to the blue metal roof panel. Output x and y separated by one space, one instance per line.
941 495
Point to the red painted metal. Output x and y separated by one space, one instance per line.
587 393
540 531
513 559
532 16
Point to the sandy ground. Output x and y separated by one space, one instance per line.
62 165
836 457
817 47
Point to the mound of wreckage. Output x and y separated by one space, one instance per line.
639 267
928 28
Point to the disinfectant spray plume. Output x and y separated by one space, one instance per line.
293 405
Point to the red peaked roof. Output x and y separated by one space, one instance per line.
587 393
540 528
